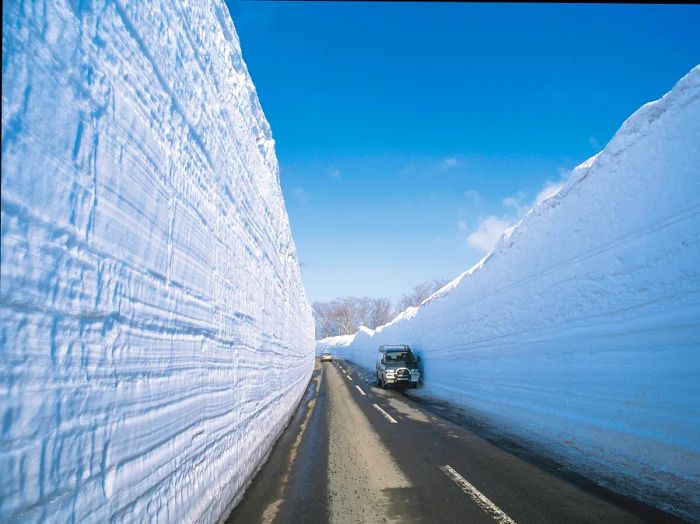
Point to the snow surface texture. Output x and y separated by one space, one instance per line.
154 333
581 329
331 343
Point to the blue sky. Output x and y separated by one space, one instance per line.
409 135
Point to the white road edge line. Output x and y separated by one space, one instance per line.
477 496
360 390
386 415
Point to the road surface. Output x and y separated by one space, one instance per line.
358 454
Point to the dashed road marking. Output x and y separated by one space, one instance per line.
477 496
386 415
360 390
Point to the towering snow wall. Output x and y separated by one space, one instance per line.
154 333
581 329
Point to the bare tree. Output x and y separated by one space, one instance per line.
363 311
345 315
419 293
325 324
381 312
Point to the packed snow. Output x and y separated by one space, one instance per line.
580 331
330 343
154 333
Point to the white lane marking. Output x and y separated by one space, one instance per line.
360 390
386 415
477 496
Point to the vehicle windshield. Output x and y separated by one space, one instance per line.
399 357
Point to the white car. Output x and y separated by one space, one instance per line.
326 356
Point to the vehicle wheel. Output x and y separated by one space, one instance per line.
379 382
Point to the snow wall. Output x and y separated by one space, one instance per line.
154 333
580 331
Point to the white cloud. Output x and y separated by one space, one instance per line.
299 194
564 172
514 202
450 162
518 203
475 197
487 233
489 229
335 173
550 189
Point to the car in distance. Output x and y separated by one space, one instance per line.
326 356
397 366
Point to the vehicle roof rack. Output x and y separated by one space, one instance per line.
394 346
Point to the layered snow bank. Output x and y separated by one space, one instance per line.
154 334
580 331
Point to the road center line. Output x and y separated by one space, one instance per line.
360 390
477 496
386 415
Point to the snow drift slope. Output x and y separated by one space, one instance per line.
154 334
581 329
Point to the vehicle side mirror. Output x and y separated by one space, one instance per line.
383 361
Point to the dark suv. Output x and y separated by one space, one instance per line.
397 365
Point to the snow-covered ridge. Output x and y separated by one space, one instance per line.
580 331
154 333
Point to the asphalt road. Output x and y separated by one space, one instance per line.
355 453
